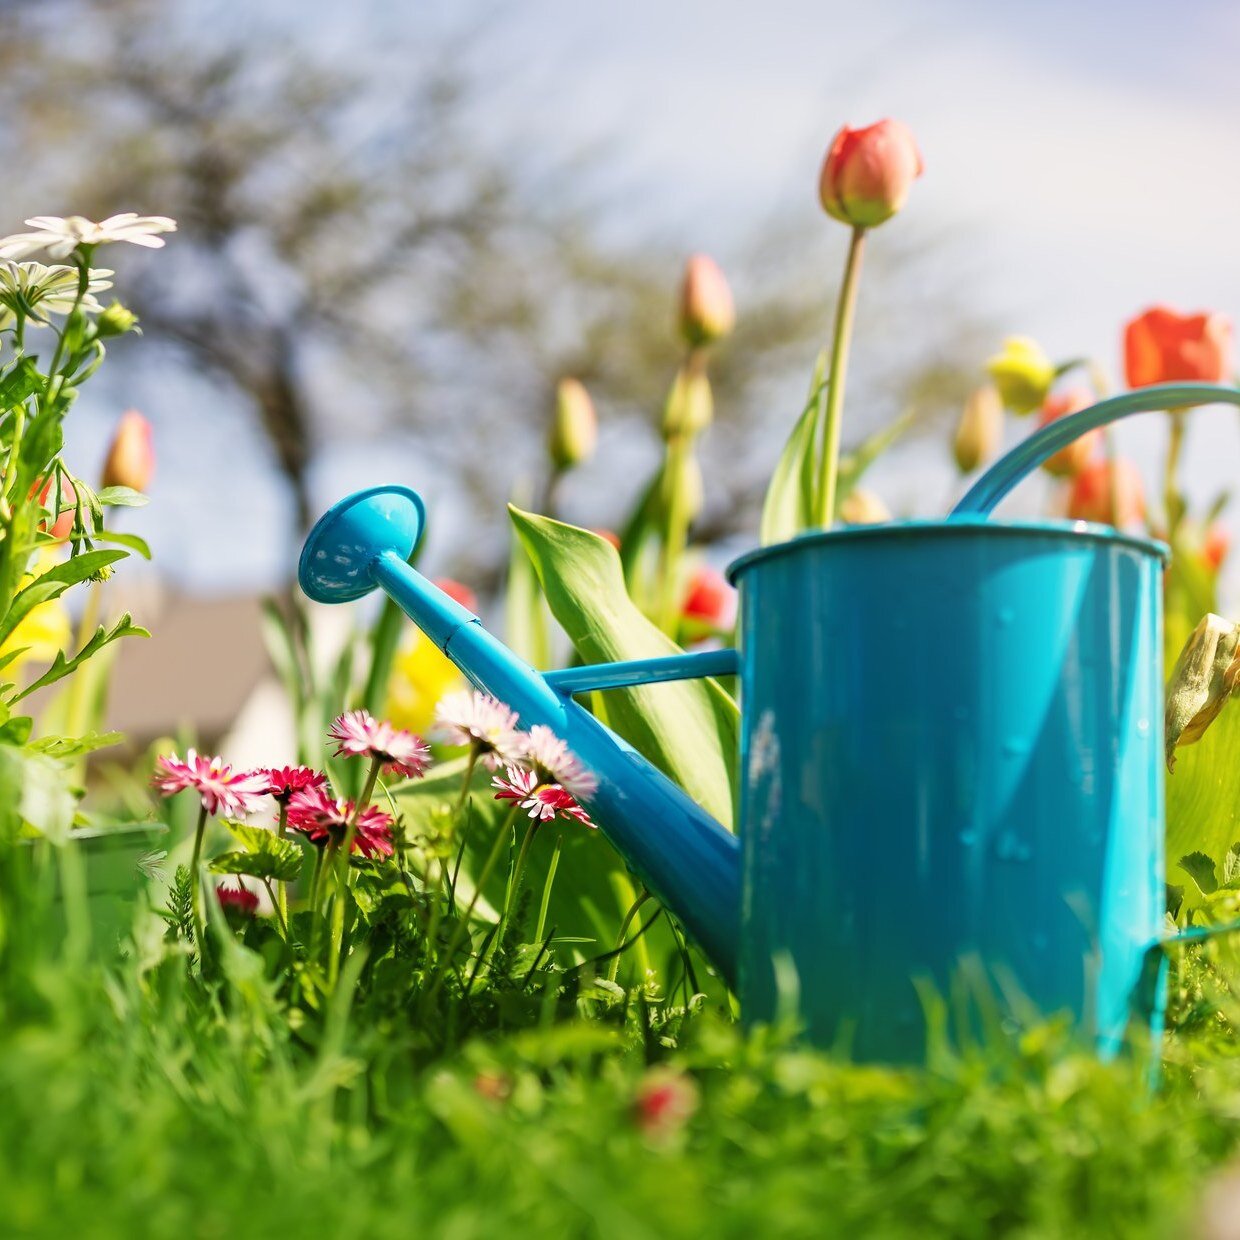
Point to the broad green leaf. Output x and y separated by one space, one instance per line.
102 637
48 802
54 583
788 509
75 746
1203 793
687 728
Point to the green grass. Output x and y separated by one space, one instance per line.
136 1103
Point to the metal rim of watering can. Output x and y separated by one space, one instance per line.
953 527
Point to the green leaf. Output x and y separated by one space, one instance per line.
1203 793
263 854
122 497
48 802
1231 865
525 613
21 381
75 746
1200 869
788 509
54 583
102 637
687 728
132 541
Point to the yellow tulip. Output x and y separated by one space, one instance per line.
421 675
44 630
1022 373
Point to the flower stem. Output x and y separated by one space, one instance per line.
546 895
1172 504
845 312
275 904
612 969
460 822
518 872
195 889
458 932
342 868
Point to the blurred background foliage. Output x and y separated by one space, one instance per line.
355 260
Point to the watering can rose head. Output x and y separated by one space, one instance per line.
867 174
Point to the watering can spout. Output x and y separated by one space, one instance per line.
689 861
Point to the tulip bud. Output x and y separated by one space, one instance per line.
710 601
867 174
1206 675
609 536
1022 373
980 430
1215 546
1108 496
131 458
574 430
457 592
707 311
862 507
690 406
1069 461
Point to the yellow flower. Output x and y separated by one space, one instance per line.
421 675
1022 373
44 630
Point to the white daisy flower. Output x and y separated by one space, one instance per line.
477 720
34 290
61 236
554 763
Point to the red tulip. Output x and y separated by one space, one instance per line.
707 311
868 173
1069 461
710 600
457 592
131 458
1161 346
1215 546
1097 496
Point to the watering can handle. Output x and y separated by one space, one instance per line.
1023 459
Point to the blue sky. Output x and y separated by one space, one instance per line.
1082 155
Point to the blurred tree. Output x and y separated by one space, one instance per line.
352 257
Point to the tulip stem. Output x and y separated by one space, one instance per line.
1172 504
845 312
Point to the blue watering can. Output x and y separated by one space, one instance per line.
951 750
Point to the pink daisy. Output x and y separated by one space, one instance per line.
238 899
220 789
480 721
285 781
554 763
321 819
358 733
542 801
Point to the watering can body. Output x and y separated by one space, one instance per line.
951 755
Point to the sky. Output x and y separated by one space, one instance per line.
1081 155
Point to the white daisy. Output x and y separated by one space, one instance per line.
554 763
61 236
34 290
482 722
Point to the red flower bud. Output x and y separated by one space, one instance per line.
131 458
707 311
665 1102
868 173
237 901
1069 461
1215 546
1098 496
710 600
63 524
457 592
1162 346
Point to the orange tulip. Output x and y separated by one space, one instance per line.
1162 346
1098 493
1069 461
131 458
707 311
457 592
867 174
710 601
65 510
1215 546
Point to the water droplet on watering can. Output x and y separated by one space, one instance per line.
1143 727
1011 848
1014 746
1040 941
968 838
961 714
1005 616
